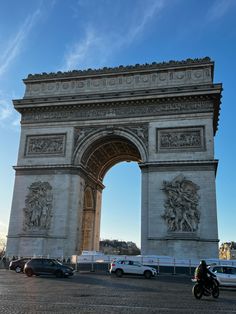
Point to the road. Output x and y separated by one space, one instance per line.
88 292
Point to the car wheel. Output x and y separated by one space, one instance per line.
29 272
59 274
119 273
147 274
18 269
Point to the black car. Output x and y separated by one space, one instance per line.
18 264
47 266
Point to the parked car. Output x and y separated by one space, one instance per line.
226 275
18 264
47 266
121 267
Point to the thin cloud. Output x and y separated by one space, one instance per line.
5 110
14 45
152 10
8 116
95 47
81 51
219 9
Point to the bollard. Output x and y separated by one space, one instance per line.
158 266
92 264
190 268
174 272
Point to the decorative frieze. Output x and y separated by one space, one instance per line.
148 108
38 207
47 145
120 82
181 207
180 139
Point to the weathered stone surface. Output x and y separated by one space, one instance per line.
77 125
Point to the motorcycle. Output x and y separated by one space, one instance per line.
200 289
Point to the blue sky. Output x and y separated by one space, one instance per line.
51 35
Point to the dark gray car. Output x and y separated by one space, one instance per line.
47 266
18 265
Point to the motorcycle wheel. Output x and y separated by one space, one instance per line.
197 291
215 291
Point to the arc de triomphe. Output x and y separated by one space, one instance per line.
76 125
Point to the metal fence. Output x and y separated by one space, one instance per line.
163 264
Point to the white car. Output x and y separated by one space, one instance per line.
226 275
121 267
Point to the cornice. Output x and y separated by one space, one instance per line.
122 79
186 165
116 109
56 169
120 69
119 96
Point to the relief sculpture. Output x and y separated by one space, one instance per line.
185 138
181 207
45 145
38 207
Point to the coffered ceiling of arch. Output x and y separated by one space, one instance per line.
107 152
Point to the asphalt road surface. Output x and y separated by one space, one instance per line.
99 293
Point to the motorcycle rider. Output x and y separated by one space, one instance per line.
203 274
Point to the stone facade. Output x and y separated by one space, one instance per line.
227 250
77 125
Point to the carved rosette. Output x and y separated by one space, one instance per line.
38 207
181 207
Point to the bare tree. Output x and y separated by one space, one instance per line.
2 246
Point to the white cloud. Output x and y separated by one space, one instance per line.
13 47
5 110
8 116
219 9
80 53
95 47
151 10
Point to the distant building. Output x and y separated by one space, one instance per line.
227 250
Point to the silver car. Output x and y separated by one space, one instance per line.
121 267
226 275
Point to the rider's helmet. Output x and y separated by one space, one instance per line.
203 263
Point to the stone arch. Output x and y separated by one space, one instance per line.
111 145
76 125
97 152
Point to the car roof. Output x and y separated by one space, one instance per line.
232 266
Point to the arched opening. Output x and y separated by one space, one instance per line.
98 158
106 152
121 204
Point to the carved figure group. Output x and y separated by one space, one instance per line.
181 207
45 145
181 139
38 206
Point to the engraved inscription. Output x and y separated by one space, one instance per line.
180 139
45 145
